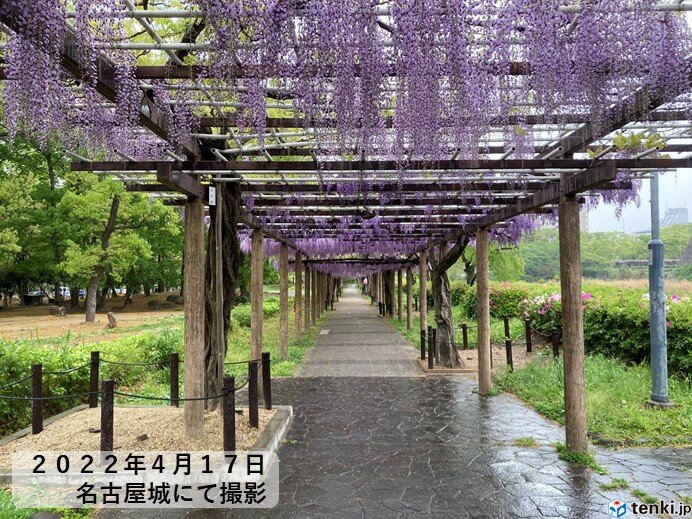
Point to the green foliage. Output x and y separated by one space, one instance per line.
505 300
683 272
600 252
241 314
643 496
525 441
616 324
615 484
585 458
616 398
8 510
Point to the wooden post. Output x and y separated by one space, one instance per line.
283 302
572 326
174 379
94 379
253 410
483 312
298 296
409 298
423 282
218 290
399 295
308 297
229 414
256 294
465 336
107 410
36 395
527 333
266 380
314 298
194 318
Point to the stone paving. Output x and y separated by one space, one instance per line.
392 446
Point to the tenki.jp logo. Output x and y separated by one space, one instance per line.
617 508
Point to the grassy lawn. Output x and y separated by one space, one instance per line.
615 400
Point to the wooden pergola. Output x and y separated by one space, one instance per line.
287 189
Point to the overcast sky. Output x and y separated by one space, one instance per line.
676 191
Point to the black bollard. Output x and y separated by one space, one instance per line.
228 414
266 380
36 395
253 412
527 332
107 410
465 336
175 380
422 344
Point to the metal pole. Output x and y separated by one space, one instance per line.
657 304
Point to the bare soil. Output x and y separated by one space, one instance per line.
519 357
163 427
29 322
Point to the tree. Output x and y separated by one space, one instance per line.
104 236
445 341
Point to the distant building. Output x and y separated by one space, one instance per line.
674 216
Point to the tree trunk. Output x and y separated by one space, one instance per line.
74 296
388 277
230 250
442 298
100 266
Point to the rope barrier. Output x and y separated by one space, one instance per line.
67 371
16 382
243 362
31 399
131 363
168 399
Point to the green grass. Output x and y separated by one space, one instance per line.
9 511
615 400
615 484
526 441
643 496
587 459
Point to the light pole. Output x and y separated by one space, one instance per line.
657 305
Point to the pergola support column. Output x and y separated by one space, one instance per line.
283 302
399 295
194 317
298 297
314 298
409 298
308 297
256 294
572 325
422 295
483 312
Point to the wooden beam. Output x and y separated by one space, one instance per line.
283 302
483 312
326 167
106 82
181 182
194 318
588 179
572 326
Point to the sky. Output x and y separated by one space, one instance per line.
675 191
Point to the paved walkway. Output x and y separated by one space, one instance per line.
371 438
355 342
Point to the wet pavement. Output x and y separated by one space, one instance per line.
392 446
